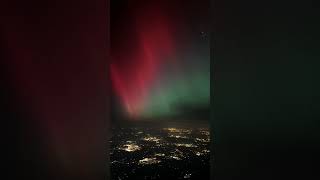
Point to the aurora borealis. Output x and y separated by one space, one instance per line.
161 60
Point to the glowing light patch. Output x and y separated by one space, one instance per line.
130 147
152 139
203 140
160 155
177 130
178 136
206 151
147 161
187 176
185 145
175 157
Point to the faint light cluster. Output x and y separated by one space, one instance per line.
114 162
203 152
178 130
160 154
178 136
185 145
187 176
152 139
130 147
203 140
175 157
146 161
205 132
171 129
119 162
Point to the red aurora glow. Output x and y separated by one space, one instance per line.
133 78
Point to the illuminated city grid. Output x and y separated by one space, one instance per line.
148 153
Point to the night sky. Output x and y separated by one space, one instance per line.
160 59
